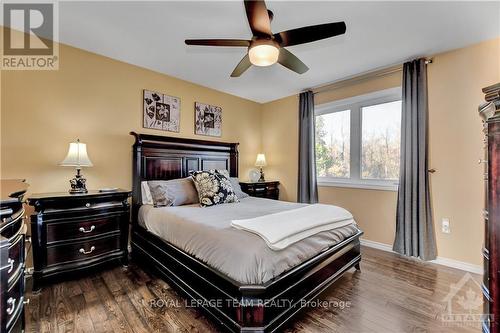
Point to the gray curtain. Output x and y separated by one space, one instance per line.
414 225
307 187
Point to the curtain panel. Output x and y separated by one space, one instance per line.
307 186
414 224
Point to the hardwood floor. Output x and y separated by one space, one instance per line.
390 294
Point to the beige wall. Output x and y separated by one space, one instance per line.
280 129
456 144
455 81
99 100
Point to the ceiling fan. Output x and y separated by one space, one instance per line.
266 48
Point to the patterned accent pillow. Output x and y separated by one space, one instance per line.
159 196
214 187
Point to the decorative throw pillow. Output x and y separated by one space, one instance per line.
160 196
235 183
175 192
214 187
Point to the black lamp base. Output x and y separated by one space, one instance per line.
261 179
78 184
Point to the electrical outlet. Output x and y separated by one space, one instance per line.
445 225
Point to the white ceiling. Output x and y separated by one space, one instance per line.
151 35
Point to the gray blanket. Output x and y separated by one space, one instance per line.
206 234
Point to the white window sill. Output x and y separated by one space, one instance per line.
360 185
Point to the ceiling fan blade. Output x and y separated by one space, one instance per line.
242 66
310 34
287 59
218 42
258 18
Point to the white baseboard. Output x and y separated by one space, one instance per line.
376 245
465 266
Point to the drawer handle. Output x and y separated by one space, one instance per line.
87 252
87 204
82 229
27 301
12 304
11 263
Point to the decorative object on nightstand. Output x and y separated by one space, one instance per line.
12 255
77 157
73 233
262 189
261 162
254 175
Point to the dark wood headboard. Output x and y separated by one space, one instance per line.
162 158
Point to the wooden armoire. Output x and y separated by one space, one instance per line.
490 112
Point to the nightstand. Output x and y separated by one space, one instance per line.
266 189
72 233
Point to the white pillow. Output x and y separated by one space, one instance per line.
147 198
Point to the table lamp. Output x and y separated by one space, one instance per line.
77 157
261 162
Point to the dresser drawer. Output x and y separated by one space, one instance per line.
78 204
82 250
258 190
12 224
82 228
14 300
15 259
16 326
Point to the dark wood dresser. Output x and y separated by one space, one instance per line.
266 189
73 233
490 111
12 255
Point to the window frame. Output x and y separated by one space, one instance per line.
355 105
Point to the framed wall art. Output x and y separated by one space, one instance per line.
207 119
161 111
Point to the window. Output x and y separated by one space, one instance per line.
333 144
358 141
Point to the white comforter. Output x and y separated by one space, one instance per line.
280 230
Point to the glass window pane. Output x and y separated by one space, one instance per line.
380 141
333 144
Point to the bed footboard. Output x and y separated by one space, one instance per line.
238 307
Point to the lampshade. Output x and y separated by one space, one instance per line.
263 55
77 155
261 160
263 52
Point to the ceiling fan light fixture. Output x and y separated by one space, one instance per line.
266 48
263 53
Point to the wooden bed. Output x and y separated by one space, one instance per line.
235 306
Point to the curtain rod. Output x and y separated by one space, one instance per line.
361 77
